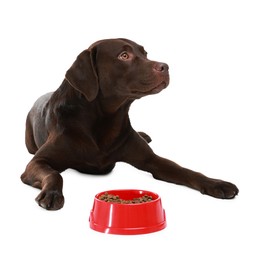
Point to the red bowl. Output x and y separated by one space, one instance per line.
127 219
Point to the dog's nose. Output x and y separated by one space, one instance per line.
161 67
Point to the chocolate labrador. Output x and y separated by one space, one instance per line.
85 125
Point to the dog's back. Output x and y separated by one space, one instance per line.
36 134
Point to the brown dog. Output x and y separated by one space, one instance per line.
85 125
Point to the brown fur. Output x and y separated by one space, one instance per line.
85 125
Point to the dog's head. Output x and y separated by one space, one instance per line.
117 68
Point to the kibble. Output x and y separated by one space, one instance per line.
116 199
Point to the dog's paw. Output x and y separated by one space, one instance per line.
50 199
219 189
145 136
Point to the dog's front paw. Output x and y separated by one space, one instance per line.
50 199
145 136
219 189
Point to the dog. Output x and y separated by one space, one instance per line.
85 125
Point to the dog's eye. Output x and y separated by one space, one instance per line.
124 56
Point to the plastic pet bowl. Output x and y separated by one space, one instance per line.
127 219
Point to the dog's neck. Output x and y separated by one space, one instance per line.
111 105
104 106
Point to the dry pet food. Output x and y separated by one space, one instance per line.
116 199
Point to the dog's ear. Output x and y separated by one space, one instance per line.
82 75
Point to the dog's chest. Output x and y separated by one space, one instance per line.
98 140
99 152
109 136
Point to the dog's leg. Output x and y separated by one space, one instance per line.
140 155
41 175
169 171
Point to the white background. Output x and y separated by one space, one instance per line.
206 120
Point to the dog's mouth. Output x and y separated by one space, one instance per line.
158 88
154 90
